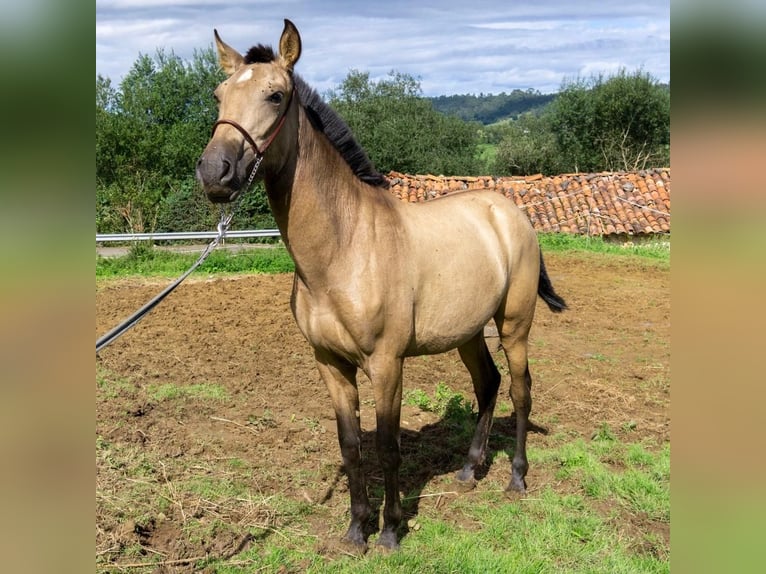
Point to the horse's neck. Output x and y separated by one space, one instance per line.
319 203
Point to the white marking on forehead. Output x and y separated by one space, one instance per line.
245 76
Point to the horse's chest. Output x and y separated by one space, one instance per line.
334 325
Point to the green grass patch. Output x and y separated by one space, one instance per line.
608 470
445 402
214 488
110 384
486 153
570 525
149 261
656 250
157 262
549 533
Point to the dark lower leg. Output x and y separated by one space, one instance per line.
390 460
349 437
386 377
486 381
522 404
340 379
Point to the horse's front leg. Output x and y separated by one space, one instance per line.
340 378
386 376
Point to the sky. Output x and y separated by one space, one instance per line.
450 47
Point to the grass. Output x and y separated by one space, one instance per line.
110 384
486 153
156 262
575 523
147 261
655 250
445 402
552 531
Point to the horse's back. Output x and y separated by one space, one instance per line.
469 229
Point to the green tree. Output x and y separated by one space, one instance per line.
619 123
149 133
528 146
400 130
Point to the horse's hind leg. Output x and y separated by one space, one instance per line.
486 381
514 336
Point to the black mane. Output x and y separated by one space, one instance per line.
326 120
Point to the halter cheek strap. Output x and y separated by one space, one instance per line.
248 138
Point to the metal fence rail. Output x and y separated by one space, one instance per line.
180 235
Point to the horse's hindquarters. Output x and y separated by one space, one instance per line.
466 253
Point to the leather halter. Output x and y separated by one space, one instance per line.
249 138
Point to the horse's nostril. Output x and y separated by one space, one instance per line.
227 173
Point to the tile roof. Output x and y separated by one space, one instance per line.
605 204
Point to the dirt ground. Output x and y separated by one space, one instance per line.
255 402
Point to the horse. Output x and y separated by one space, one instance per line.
376 279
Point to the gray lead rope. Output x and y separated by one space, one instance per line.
223 226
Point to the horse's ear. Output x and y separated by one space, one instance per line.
228 57
289 45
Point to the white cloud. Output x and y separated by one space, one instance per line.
451 46
523 25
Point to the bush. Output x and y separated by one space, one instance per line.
528 147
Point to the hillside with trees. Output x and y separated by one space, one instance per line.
491 108
151 129
619 123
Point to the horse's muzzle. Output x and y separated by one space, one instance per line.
217 173
221 196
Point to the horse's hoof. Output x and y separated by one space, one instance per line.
516 489
464 482
387 541
352 547
513 495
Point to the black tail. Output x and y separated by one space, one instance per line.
545 290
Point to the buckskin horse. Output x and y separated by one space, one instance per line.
376 279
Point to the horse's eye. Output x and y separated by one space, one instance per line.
276 97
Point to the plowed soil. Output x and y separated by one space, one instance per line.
217 383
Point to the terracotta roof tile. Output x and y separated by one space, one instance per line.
608 203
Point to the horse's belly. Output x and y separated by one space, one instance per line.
451 324
431 343
456 299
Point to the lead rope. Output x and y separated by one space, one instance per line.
223 227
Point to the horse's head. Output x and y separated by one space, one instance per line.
254 104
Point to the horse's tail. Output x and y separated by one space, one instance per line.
545 290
